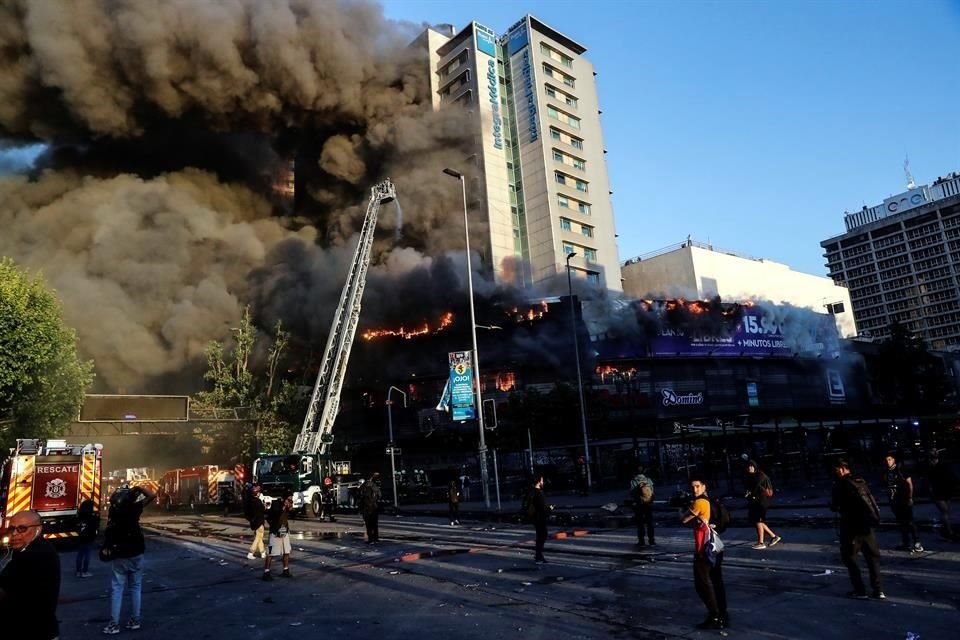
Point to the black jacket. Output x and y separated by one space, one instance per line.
32 584
278 518
256 512
539 505
849 499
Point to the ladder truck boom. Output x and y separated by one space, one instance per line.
317 433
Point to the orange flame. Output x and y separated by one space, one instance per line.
446 321
506 381
535 312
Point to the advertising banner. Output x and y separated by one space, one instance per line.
461 386
486 40
757 334
56 483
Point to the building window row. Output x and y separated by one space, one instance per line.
952 222
860 271
566 138
929 252
562 96
925 265
564 117
559 56
891 251
871 301
938 285
901 305
859 282
569 225
865 291
925 241
926 229
856 251
560 76
567 159
933 275
455 84
453 65
590 255
855 262
887 241
943 307
570 203
899 294
892 262
570 181
947 319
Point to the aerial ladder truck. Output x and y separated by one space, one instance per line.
303 472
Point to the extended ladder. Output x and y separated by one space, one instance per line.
317 432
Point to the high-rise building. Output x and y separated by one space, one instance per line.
533 99
901 262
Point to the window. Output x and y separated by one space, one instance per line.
564 224
555 134
564 117
590 254
584 208
557 94
586 231
563 202
553 54
581 185
550 72
557 156
568 248
561 179
551 92
593 277
579 164
577 143
553 113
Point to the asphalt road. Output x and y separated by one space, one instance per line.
428 580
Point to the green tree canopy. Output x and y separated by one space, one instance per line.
42 378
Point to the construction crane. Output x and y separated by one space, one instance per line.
307 473
316 436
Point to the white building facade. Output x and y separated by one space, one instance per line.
695 270
533 99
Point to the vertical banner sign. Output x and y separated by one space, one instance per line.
56 484
461 386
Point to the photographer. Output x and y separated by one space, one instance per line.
123 547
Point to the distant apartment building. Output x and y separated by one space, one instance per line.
695 270
901 262
533 100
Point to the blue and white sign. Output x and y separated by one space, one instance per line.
461 386
486 40
527 71
517 37
494 97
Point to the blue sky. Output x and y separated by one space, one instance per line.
754 125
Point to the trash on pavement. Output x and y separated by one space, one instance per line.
826 572
912 636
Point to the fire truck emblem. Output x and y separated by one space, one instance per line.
56 488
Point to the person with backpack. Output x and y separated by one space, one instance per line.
123 547
900 492
641 493
279 545
536 511
759 493
705 516
453 502
859 516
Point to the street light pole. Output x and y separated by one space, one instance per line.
393 464
576 358
482 450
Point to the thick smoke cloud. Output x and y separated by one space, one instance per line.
164 123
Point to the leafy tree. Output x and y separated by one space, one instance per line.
42 378
272 409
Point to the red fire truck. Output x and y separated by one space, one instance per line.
203 485
52 478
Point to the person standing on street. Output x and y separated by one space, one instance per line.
707 575
537 511
30 582
859 516
124 546
900 491
278 518
370 507
759 492
943 485
453 503
641 493
256 516
89 523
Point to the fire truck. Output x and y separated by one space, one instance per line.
304 471
203 485
52 478
134 477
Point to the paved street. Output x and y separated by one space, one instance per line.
428 580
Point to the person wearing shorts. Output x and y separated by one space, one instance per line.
279 545
758 494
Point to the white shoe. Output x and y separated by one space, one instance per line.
250 556
758 545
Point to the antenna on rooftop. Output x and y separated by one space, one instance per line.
906 169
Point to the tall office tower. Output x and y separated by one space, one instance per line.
533 99
901 262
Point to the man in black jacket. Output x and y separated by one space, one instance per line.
538 513
30 583
124 545
278 518
254 510
369 503
859 515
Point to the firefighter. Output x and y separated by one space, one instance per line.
327 500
